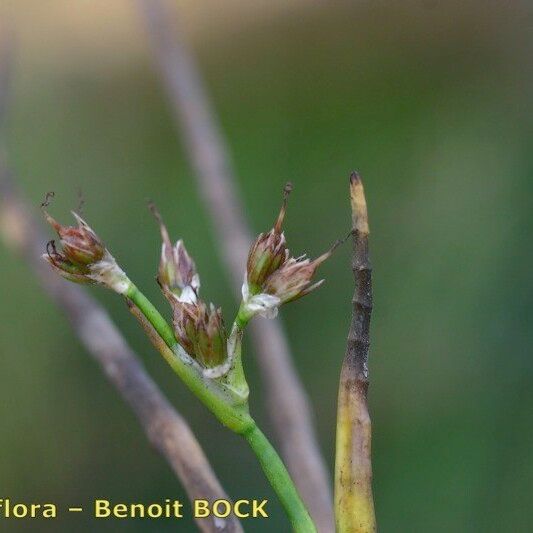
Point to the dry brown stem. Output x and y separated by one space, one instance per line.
287 401
164 427
354 506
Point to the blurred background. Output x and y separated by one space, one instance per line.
430 101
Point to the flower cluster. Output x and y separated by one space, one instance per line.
199 328
83 258
273 277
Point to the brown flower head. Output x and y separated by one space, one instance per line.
273 276
81 245
83 257
200 330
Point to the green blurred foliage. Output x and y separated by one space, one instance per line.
431 103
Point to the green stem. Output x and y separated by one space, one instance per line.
280 480
235 417
152 314
212 394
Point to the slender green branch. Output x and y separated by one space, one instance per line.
214 395
152 314
280 480
234 417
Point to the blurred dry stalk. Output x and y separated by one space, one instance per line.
287 401
354 505
164 427
167 431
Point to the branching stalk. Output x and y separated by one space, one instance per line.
197 342
237 421
232 414
280 480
